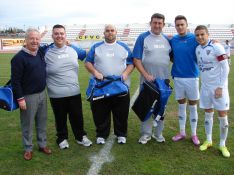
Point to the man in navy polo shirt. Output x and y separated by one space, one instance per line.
28 78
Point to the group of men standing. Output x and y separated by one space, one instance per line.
56 66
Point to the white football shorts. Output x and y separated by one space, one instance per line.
208 100
186 88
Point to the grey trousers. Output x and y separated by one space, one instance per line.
147 128
36 110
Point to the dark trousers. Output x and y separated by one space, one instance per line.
102 109
71 107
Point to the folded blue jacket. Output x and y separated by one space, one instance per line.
152 99
165 91
109 87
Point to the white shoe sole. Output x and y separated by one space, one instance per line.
86 145
144 142
64 145
158 139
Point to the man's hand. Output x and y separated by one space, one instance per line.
98 75
68 43
124 77
22 104
149 77
218 92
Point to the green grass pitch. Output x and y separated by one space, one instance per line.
130 159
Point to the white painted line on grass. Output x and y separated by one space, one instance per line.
134 98
102 157
104 154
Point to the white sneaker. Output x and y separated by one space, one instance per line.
64 144
144 139
159 139
100 141
85 142
121 140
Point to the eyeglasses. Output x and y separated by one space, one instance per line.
111 30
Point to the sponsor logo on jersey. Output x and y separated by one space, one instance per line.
208 52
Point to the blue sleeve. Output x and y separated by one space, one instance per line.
90 56
46 47
138 48
80 52
196 42
165 36
43 48
129 57
170 41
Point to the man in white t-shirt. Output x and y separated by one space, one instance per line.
214 70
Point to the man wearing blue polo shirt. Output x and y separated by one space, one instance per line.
185 74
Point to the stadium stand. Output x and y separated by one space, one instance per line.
131 31
219 33
232 32
87 34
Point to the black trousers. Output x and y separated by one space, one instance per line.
102 109
71 107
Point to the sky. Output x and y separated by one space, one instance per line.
28 13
